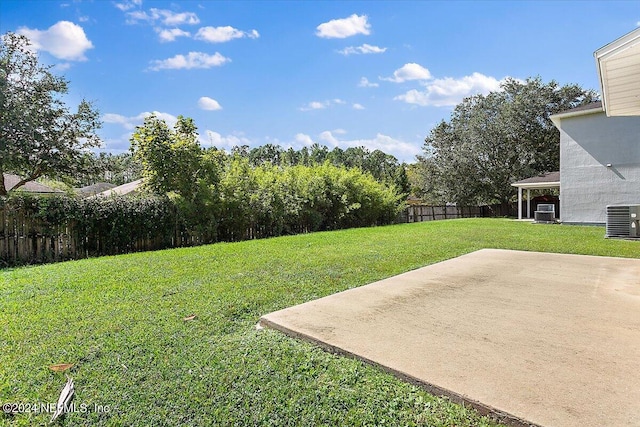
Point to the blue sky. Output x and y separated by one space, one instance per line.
379 74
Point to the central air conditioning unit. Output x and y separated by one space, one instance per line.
623 221
545 213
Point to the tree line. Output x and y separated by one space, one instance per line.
221 195
493 140
125 167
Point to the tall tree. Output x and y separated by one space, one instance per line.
268 153
172 160
38 134
319 153
174 164
493 140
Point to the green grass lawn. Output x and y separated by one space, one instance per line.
120 321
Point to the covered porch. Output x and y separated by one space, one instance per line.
548 181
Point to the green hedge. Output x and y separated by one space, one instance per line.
96 226
248 202
273 200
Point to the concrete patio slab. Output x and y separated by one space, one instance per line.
535 338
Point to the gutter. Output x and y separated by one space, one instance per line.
537 185
556 118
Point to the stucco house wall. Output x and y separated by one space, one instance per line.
599 163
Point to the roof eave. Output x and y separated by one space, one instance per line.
628 40
537 185
555 118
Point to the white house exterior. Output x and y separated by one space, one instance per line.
618 65
599 163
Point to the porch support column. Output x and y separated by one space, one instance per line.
528 203
519 202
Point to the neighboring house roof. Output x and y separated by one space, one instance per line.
547 180
93 189
121 190
618 65
11 180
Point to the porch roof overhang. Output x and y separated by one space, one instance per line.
547 181
618 65
538 186
541 182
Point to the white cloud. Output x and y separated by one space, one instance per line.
121 144
364 49
171 18
224 142
139 15
117 119
169 118
315 105
403 151
329 139
64 40
407 72
321 105
223 34
364 82
304 139
126 5
62 66
164 16
210 104
130 123
192 60
449 91
169 35
357 106
342 28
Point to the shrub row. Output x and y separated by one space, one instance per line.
247 202
96 226
271 200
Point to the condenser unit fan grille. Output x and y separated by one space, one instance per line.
617 221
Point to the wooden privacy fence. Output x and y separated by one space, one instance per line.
23 239
420 213
28 240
